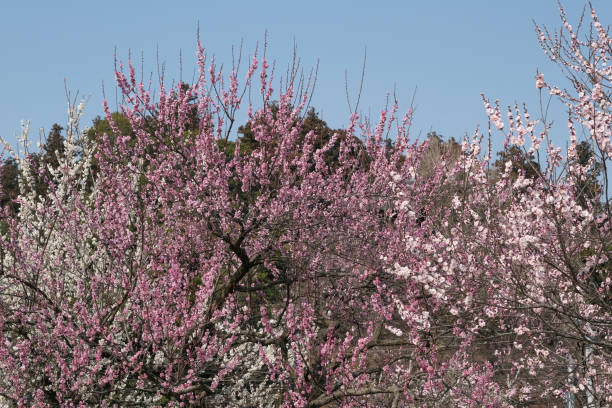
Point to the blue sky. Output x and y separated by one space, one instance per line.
450 51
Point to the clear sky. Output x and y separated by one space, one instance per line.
449 50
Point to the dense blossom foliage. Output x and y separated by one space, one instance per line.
166 264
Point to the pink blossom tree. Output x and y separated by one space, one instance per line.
529 256
188 274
